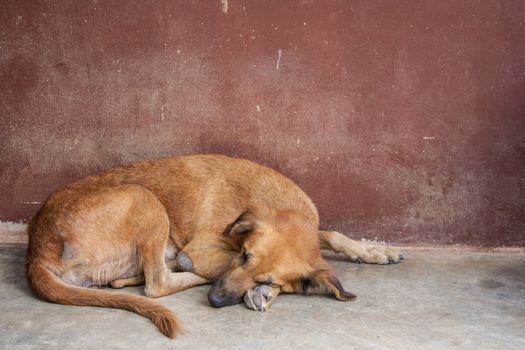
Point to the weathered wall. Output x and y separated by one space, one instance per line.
404 120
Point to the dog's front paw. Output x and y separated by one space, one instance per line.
261 297
380 255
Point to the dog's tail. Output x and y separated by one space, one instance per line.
48 286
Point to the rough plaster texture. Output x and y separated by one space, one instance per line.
434 299
403 120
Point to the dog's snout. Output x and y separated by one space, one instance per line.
220 298
216 300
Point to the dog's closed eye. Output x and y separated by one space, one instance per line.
268 280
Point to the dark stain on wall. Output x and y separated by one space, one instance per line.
403 120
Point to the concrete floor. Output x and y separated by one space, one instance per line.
435 299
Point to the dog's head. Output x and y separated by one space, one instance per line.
278 248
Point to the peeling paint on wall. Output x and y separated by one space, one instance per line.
224 7
279 54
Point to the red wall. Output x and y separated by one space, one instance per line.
403 120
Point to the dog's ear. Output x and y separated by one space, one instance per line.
243 225
323 276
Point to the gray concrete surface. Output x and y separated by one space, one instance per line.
435 299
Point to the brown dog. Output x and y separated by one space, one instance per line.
243 226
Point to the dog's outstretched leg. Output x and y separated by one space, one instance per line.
358 251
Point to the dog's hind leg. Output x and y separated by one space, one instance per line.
139 279
358 251
127 282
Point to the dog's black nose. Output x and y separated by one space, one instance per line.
218 298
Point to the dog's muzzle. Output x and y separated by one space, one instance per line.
218 297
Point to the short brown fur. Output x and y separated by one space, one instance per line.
212 218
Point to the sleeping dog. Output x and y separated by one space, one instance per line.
179 222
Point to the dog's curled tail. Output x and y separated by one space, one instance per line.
48 286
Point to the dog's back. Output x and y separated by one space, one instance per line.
204 192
